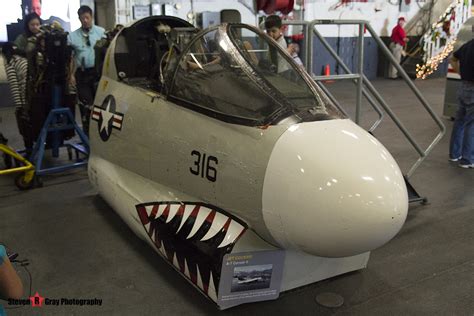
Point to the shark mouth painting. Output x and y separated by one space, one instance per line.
193 237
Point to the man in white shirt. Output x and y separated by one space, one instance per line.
82 41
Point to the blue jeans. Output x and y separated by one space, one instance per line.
462 138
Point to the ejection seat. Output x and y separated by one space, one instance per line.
141 49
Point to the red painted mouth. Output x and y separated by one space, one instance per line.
193 237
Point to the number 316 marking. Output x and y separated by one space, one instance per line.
203 166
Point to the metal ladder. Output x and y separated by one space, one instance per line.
365 88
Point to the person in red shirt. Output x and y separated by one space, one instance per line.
398 40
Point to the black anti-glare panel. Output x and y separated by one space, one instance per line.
230 16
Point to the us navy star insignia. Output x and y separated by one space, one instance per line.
107 117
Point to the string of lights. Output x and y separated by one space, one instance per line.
445 28
431 65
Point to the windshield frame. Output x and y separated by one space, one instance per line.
243 63
315 90
284 108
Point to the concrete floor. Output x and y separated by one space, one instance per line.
78 247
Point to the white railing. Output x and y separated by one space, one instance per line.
445 30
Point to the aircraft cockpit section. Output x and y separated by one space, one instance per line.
232 72
237 74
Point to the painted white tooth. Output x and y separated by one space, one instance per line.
199 279
161 209
216 226
186 269
154 236
232 233
188 209
147 227
148 209
175 261
211 291
200 218
172 213
163 250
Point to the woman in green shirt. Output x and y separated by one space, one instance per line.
32 27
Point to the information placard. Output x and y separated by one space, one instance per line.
250 277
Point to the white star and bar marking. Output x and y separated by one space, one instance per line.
107 115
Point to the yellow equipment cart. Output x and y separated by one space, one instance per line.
24 168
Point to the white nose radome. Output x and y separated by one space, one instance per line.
332 190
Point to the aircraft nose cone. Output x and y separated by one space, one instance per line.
332 190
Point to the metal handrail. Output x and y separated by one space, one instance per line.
308 62
361 79
365 80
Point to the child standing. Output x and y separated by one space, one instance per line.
273 26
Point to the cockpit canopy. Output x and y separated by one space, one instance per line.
232 72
